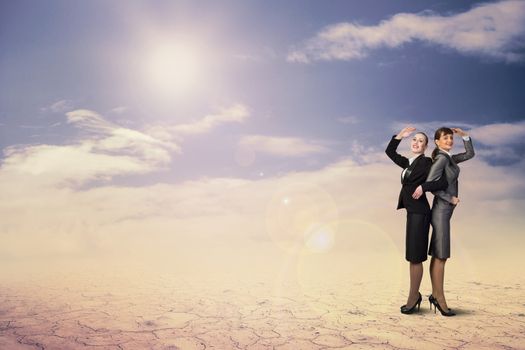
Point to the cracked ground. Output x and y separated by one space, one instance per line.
131 310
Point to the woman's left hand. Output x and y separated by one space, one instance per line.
459 132
418 192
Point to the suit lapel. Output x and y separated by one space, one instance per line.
410 168
449 158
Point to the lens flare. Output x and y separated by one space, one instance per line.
297 216
319 239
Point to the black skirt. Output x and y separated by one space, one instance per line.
416 243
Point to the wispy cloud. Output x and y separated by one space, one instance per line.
493 30
499 155
281 146
119 109
121 140
499 143
236 113
86 119
48 165
59 106
431 126
104 150
498 134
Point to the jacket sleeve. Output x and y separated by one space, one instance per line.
468 154
436 172
396 157
436 185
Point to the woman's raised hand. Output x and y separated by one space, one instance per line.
405 132
459 131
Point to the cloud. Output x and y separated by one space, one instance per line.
236 113
362 154
497 143
66 165
46 214
430 127
221 224
281 146
119 109
209 213
499 155
498 134
59 106
89 120
119 139
493 30
105 150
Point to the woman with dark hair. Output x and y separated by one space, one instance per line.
442 208
414 174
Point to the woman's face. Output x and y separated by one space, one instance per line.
445 142
418 144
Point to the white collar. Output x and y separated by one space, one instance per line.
442 150
410 160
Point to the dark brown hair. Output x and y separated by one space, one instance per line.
440 132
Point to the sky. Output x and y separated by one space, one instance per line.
162 126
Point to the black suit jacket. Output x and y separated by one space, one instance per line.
415 176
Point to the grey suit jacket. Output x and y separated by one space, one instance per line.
449 165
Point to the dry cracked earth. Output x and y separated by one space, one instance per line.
113 312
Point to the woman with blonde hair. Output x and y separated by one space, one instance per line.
414 174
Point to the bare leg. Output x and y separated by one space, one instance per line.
416 274
437 276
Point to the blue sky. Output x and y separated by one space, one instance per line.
88 55
130 96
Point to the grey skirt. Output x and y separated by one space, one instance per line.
440 240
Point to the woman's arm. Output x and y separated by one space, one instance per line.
439 184
392 147
469 149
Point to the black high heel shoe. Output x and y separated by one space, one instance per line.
434 301
407 311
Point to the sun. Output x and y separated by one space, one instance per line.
174 68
